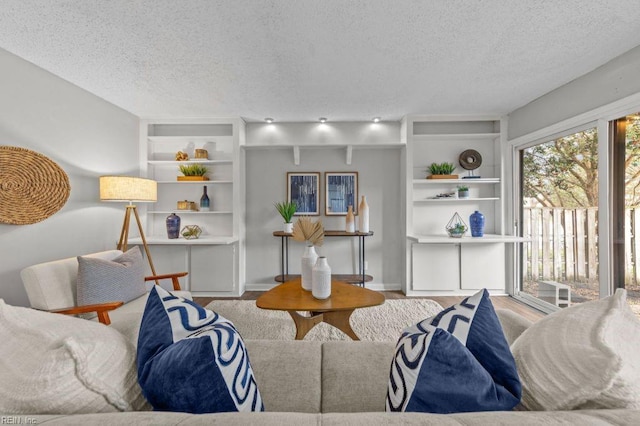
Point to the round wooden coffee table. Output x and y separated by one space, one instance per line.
335 310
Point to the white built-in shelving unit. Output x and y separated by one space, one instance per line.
215 261
437 264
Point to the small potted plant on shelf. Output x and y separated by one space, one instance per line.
463 191
287 210
456 228
442 171
193 172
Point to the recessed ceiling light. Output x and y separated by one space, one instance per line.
322 119
376 119
269 120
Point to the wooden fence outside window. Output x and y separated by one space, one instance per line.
564 244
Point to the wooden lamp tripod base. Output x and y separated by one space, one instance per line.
124 235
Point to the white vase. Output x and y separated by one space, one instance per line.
307 262
288 227
321 279
363 215
350 221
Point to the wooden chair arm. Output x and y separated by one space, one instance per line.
174 278
102 309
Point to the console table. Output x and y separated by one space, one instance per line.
360 278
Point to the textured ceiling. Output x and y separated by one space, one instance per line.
297 60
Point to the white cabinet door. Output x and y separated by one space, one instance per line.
482 266
168 260
435 267
212 268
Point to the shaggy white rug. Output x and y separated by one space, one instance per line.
378 323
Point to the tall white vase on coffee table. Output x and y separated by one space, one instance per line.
321 279
309 258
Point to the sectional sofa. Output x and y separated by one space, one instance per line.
305 382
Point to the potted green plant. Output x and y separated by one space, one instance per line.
456 227
287 210
193 172
442 171
463 191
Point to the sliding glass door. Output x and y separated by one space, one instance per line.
558 215
625 185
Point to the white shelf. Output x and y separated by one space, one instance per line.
202 241
194 182
172 139
177 163
438 262
187 212
486 239
454 200
327 145
454 136
215 261
458 181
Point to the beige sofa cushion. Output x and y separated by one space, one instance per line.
355 375
513 325
127 318
52 363
287 374
504 418
582 357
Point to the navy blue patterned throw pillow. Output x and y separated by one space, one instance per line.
192 360
456 361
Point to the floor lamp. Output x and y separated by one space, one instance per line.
130 189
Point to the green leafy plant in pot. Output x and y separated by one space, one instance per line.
287 210
193 172
441 171
456 227
463 191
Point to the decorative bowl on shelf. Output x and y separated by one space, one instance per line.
191 232
456 228
202 154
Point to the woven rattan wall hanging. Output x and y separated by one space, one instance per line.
32 187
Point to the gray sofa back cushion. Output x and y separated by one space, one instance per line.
287 373
355 376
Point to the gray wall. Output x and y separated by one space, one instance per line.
379 179
613 81
87 137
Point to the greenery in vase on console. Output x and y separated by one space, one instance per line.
287 210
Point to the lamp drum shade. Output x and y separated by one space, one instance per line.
128 188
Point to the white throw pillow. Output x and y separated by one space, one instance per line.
583 357
57 364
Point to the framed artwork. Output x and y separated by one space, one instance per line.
304 189
341 191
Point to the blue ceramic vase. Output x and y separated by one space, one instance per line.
173 226
477 224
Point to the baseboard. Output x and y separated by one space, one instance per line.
371 286
447 293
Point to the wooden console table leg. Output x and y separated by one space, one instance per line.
305 324
340 320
